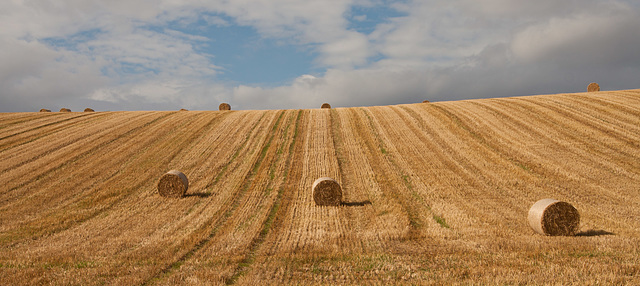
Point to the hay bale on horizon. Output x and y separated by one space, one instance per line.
173 184
425 101
182 109
553 217
592 87
45 110
325 105
88 110
224 106
326 192
65 110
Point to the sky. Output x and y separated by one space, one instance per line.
290 54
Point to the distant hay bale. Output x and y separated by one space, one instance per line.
425 101
65 110
224 106
326 105
173 184
88 110
593 87
553 217
182 109
326 192
45 110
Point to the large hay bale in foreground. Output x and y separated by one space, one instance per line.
173 184
224 106
593 87
65 110
325 105
326 192
45 110
553 217
88 110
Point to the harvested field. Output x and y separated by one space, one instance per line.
434 193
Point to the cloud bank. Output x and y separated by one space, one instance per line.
154 55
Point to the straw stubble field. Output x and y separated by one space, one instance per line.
433 193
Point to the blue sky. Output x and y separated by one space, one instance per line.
281 54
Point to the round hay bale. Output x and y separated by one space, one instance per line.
553 217
326 105
224 106
593 87
65 110
182 109
173 184
88 110
45 110
425 101
326 192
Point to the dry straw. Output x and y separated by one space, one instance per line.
553 217
326 192
224 106
88 110
45 110
65 110
173 184
326 105
593 87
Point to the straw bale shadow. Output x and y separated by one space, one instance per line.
594 232
356 204
201 195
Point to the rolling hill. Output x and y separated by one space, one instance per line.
434 193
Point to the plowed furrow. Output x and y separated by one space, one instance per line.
392 181
444 173
234 204
15 118
60 204
71 151
308 227
582 126
143 218
562 131
375 219
552 162
17 135
42 144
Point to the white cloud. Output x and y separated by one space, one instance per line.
129 54
166 93
360 18
216 21
149 54
599 37
463 50
125 46
364 87
352 50
318 23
